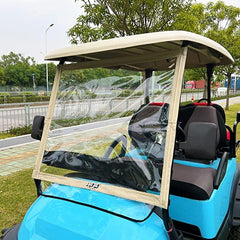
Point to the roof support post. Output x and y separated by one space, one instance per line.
148 75
210 69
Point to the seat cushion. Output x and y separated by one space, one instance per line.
192 182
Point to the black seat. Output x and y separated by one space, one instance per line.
202 139
192 182
205 136
203 113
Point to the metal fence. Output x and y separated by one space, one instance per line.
18 115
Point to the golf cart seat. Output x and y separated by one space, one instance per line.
205 135
202 140
204 113
201 144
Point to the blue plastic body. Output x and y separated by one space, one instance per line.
93 215
51 219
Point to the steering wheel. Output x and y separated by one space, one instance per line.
164 115
181 137
110 149
202 99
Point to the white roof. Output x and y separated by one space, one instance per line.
143 51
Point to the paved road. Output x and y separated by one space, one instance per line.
26 139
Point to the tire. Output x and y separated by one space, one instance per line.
10 233
235 233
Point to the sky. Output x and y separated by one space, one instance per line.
23 24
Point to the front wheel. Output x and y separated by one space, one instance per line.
234 234
10 233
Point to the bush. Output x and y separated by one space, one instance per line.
24 98
26 93
125 93
18 131
14 99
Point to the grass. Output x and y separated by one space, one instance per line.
18 192
16 131
6 135
230 119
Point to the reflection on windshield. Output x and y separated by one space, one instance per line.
108 134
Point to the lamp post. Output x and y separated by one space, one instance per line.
46 54
34 85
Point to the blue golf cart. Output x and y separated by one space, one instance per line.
124 155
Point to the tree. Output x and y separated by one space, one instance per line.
14 58
193 20
223 27
104 19
41 79
220 23
2 76
18 70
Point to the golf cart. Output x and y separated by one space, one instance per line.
145 165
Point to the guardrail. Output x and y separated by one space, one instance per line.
18 115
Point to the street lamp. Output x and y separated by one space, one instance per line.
46 54
34 85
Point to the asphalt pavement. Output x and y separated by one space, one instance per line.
19 153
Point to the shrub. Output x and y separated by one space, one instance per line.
18 131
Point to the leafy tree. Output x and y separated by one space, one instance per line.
17 70
104 19
14 58
195 74
223 27
219 22
193 20
2 76
41 68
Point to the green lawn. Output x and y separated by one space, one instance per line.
17 191
230 119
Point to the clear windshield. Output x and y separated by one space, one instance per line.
111 129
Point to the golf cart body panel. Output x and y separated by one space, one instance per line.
68 212
125 178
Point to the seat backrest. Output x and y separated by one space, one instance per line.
204 113
205 131
201 142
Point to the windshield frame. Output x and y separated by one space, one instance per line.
161 200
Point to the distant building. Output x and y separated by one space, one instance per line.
195 84
235 82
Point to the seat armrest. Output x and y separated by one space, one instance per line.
221 170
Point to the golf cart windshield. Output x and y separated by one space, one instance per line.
112 130
103 131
